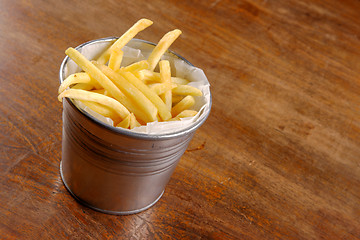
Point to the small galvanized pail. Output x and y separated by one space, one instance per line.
113 170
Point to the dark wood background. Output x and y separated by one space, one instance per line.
279 157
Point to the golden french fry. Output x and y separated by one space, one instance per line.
93 71
137 66
163 111
146 75
95 97
77 78
184 114
115 59
167 99
147 108
179 81
150 76
184 104
186 90
101 91
160 88
187 113
165 72
103 110
104 81
99 108
176 99
133 122
161 47
165 76
125 38
83 86
125 123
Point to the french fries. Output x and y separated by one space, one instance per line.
132 95
184 114
161 88
126 122
151 95
184 104
161 47
165 76
143 103
125 38
83 86
137 66
186 90
101 109
115 59
95 97
154 77
78 78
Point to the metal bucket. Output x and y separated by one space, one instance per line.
113 170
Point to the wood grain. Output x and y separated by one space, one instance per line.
278 158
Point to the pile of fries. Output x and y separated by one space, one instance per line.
131 95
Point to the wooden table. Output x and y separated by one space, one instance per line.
278 158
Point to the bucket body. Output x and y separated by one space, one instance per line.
113 170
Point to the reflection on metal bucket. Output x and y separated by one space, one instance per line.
114 170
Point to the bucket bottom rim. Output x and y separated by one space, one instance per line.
102 210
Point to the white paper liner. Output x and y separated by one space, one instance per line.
136 51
